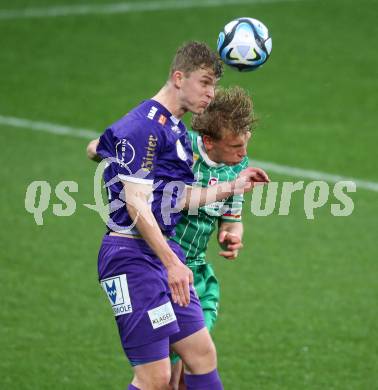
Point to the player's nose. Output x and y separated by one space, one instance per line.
211 92
243 152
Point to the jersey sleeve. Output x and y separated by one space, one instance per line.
105 145
133 149
232 209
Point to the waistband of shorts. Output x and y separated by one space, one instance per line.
117 240
136 241
132 236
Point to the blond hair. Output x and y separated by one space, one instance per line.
231 109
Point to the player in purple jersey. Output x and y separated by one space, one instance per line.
149 161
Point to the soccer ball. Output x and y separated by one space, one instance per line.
244 44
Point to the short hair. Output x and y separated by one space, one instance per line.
231 109
195 55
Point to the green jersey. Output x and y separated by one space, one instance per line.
194 231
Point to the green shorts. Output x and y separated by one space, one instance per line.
207 288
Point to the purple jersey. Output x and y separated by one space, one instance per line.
148 146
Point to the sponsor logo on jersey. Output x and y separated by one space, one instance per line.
117 290
162 315
212 181
152 112
162 119
125 152
148 159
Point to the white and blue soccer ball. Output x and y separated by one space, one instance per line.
244 44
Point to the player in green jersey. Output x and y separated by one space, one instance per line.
219 145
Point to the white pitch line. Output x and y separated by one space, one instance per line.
47 127
314 175
115 8
53 128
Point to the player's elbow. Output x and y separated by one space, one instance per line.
91 150
139 212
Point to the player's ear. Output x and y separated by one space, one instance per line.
177 78
208 142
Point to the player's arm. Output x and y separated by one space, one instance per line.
196 197
179 276
230 235
92 150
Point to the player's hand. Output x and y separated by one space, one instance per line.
230 243
179 279
250 177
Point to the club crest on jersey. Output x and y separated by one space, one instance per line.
125 152
212 181
176 129
117 290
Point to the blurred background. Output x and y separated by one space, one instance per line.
299 307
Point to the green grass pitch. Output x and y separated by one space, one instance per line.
299 306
